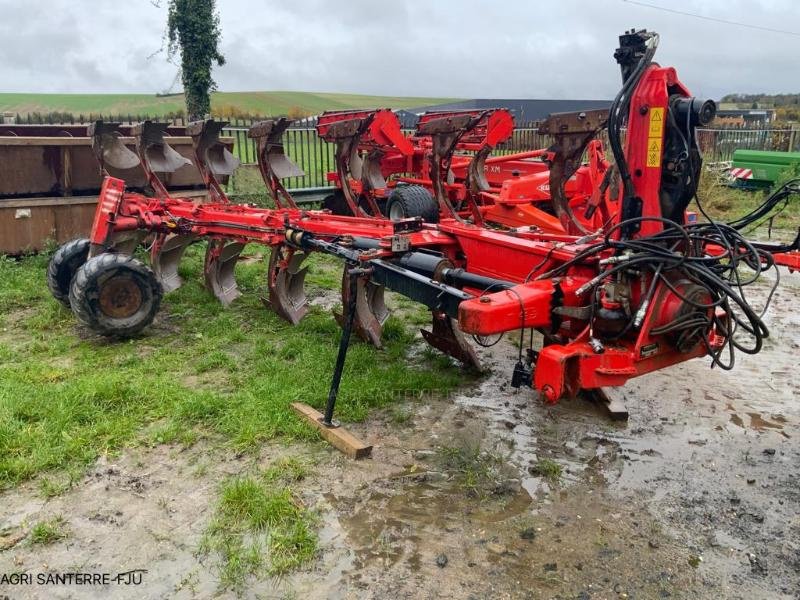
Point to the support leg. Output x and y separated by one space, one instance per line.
347 328
327 426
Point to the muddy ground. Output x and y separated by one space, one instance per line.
697 495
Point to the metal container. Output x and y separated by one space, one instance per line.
49 181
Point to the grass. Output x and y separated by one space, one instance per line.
48 532
725 203
51 487
548 469
254 103
260 527
401 415
476 471
287 470
200 372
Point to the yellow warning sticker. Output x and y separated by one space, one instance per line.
654 152
656 122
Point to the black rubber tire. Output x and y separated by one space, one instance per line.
413 201
63 265
95 277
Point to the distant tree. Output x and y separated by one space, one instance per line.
193 31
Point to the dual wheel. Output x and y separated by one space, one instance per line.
113 294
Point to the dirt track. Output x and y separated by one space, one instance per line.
697 496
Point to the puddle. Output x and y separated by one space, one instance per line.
645 498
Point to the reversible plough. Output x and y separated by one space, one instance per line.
624 288
444 170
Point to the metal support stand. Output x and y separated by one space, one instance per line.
328 428
344 343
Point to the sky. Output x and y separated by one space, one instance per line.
441 48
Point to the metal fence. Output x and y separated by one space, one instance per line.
302 144
316 157
720 144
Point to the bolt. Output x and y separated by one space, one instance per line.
485 299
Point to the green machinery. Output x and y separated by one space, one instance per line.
760 169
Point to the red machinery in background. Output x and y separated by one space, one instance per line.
444 169
645 292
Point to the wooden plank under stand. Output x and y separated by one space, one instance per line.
338 436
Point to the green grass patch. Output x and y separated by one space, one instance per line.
475 470
548 469
287 470
53 486
49 531
260 528
68 396
726 203
400 415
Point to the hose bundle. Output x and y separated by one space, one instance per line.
679 252
772 206
617 115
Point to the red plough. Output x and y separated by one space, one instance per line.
645 291
445 171
441 171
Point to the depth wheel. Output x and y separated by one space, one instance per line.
115 295
63 265
412 201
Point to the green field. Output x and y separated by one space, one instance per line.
226 103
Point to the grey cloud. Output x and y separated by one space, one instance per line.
464 48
